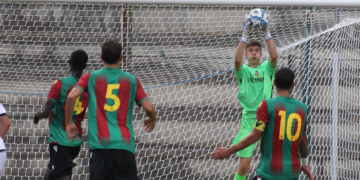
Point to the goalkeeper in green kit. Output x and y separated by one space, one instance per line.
255 82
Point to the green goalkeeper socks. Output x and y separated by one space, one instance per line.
238 177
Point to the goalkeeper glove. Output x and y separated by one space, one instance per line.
246 29
267 30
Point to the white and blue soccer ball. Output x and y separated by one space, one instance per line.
258 19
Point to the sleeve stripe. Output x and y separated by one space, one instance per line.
80 88
139 102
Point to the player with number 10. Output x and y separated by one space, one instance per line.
281 124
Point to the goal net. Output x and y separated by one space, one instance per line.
183 55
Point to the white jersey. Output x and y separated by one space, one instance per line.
2 110
2 113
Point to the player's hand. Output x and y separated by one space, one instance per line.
267 29
149 124
72 132
37 117
220 153
246 26
307 171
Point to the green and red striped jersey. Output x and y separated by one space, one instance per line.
58 93
112 94
285 120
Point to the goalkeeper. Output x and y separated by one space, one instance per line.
255 82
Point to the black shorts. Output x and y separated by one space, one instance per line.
260 178
114 164
61 159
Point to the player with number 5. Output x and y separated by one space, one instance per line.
112 93
281 124
63 151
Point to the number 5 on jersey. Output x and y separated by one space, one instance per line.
110 95
290 120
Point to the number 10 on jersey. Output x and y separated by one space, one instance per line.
288 129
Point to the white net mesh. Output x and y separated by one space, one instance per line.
183 55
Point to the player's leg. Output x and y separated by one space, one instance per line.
2 161
245 155
100 164
67 173
48 173
75 152
61 162
126 165
244 166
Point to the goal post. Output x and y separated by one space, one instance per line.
183 53
309 3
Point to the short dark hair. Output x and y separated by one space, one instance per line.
253 43
284 78
111 51
78 59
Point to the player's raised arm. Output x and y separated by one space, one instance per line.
271 45
241 46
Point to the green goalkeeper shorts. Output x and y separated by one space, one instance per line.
246 127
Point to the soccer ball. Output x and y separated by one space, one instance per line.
258 19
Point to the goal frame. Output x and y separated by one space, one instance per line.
311 3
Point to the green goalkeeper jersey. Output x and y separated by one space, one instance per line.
255 85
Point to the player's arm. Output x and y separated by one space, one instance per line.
49 105
70 104
239 54
150 121
250 139
270 45
221 153
262 118
4 120
53 96
142 100
303 147
304 157
79 88
5 124
69 110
